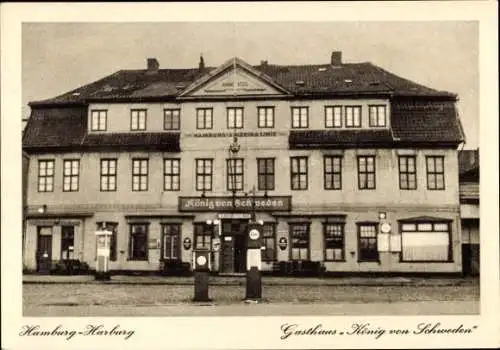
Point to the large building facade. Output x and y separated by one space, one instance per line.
348 166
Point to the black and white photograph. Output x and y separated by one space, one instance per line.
185 170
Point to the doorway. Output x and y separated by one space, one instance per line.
44 250
233 257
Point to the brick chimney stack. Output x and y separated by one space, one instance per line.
336 59
201 65
153 65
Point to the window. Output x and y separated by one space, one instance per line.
138 242
367 242
333 172
204 118
202 236
113 227
407 173
139 174
426 241
269 242
171 234
235 118
333 116
298 173
265 174
300 117
353 116
108 174
98 120
171 174
234 174
435 172
299 237
172 119
377 115
71 173
366 172
67 242
334 241
45 175
204 174
138 119
266 117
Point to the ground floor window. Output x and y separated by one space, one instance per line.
269 242
171 241
367 242
113 227
67 242
202 236
426 241
138 249
333 234
299 237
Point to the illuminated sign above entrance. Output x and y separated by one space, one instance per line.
270 203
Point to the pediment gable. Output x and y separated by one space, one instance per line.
234 78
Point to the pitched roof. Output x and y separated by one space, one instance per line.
325 79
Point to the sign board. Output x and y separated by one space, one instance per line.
186 243
383 242
203 204
282 243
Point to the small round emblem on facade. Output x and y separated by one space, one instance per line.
254 234
201 260
385 227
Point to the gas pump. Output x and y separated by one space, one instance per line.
254 262
201 264
103 251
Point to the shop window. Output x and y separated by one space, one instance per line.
334 241
46 175
171 241
367 242
269 242
202 236
138 249
299 237
67 242
426 241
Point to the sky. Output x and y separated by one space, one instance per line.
58 57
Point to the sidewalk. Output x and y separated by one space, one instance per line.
266 280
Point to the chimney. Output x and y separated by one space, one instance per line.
153 65
263 64
201 65
336 58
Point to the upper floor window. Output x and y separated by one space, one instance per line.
435 172
71 172
407 173
204 174
235 174
138 242
265 174
300 117
353 116
377 115
266 117
204 118
172 119
46 175
333 116
298 173
108 175
333 172
139 174
235 118
98 119
172 174
138 119
366 172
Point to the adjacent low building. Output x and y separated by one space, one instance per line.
351 169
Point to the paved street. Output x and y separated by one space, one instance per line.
101 299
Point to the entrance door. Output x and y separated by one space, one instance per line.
44 250
233 257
